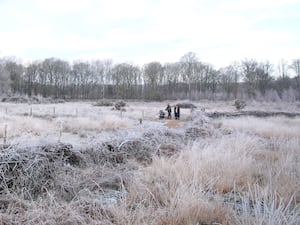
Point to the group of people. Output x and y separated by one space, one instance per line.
169 110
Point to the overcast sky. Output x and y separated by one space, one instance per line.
141 31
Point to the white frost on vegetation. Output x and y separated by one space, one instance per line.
94 165
278 127
97 124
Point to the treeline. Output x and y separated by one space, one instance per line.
189 78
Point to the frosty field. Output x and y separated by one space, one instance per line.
76 163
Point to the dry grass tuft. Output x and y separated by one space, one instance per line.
258 206
277 127
83 124
18 126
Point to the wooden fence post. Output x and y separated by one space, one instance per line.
60 131
5 134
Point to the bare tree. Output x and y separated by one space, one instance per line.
172 79
189 63
263 76
62 77
282 68
97 67
214 82
106 77
295 66
31 78
101 72
55 74
15 71
153 78
249 71
83 79
126 77
210 78
235 70
227 78
4 78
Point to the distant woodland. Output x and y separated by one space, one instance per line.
189 78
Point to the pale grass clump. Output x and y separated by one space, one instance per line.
18 126
49 211
277 158
276 127
279 163
196 186
185 207
188 189
94 181
97 124
259 206
167 192
228 160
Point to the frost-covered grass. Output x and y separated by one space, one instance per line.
82 124
221 181
251 105
110 169
278 127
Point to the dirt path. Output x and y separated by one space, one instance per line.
173 123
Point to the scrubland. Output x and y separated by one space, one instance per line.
75 163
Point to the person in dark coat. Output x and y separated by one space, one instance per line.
169 110
177 112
